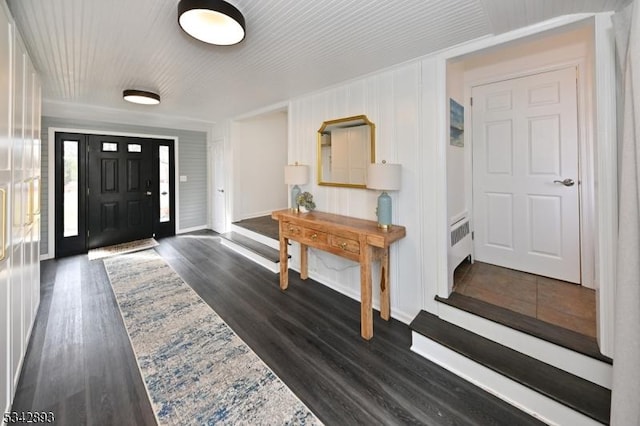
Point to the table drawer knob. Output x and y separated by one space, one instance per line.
291 229
343 245
314 237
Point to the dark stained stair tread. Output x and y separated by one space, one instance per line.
543 330
581 395
263 250
263 225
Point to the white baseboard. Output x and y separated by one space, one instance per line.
265 263
45 256
522 397
355 295
192 229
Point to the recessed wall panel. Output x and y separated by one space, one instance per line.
499 231
499 147
109 176
109 216
545 225
544 145
546 94
133 175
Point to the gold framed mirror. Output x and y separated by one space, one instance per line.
346 146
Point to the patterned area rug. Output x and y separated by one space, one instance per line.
129 247
195 368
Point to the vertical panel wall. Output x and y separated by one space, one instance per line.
392 101
19 204
6 59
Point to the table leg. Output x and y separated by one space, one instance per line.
366 309
385 302
284 264
304 261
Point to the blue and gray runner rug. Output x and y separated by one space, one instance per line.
195 368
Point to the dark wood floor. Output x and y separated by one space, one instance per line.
80 365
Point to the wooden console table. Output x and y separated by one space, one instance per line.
355 239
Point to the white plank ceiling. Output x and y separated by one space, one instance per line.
88 51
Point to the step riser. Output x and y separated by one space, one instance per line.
265 263
274 244
514 393
577 364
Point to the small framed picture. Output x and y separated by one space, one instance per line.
456 124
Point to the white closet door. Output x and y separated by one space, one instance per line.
5 195
525 145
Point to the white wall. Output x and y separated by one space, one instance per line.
259 156
392 101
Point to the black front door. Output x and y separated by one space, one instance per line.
121 184
112 189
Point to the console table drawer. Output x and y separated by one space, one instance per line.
345 244
291 230
315 237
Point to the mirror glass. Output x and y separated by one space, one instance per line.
345 147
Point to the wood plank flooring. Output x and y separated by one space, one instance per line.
80 364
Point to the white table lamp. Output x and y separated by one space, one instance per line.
384 177
295 174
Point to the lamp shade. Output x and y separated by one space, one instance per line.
383 176
211 21
296 174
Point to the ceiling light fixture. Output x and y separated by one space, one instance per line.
141 97
211 21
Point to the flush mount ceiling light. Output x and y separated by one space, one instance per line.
211 21
141 97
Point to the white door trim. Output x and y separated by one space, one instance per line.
605 168
212 184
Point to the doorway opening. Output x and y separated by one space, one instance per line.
520 229
112 189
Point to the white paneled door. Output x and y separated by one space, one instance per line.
525 174
219 205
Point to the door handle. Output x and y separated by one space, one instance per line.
220 190
566 182
148 193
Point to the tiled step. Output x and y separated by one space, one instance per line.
552 333
580 395
258 252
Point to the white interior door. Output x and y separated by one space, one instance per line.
525 174
219 195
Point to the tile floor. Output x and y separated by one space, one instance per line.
568 305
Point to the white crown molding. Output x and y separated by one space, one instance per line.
77 111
